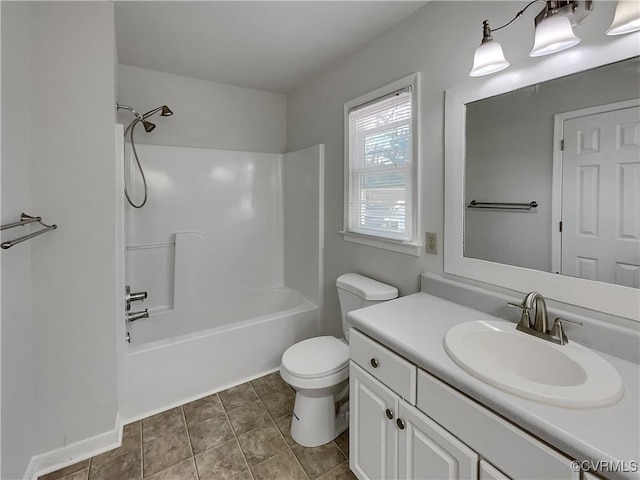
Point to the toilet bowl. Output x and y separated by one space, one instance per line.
318 368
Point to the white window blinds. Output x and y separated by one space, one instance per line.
380 167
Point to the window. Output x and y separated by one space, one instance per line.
381 167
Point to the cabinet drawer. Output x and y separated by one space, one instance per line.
391 369
513 451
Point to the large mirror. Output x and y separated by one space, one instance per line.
585 222
505 186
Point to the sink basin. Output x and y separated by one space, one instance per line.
570 375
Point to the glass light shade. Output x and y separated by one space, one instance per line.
553 34
626 19
488 59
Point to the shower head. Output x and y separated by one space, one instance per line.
163 110
148 126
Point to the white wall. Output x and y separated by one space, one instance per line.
303 204
17 311
63 158
439 41
519 167
206 114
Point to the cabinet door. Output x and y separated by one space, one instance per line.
373 437
489 472
428 451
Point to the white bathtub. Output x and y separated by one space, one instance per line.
171 361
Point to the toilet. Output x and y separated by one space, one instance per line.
318 368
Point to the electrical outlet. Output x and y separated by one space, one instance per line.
432 243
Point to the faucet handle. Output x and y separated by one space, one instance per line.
525 319
519 305
574 322
558 331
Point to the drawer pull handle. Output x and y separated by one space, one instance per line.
389 414
400 424
374 363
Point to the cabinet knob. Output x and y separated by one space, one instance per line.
389 414
400 424
374 363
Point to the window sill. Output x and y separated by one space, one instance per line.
407 248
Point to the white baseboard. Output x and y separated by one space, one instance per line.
75 452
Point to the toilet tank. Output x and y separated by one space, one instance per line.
357 291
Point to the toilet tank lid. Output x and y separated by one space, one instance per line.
366 288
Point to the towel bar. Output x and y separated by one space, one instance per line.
25 220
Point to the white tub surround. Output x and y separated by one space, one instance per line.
212 226
209 248
414 326
303 221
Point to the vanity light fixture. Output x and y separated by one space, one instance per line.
626 18
489 57
554 33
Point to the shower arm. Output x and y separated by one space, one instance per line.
131 109
151 112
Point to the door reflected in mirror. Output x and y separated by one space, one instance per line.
552 176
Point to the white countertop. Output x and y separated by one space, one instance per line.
414 326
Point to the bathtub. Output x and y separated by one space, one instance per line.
207 247
172 360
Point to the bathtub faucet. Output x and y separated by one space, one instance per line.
132 297
133 316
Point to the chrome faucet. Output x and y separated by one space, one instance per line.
541 321
539 325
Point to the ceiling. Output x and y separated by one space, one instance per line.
266 45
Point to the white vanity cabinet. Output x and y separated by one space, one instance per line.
406 424
389 438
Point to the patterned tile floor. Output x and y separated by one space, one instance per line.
241 433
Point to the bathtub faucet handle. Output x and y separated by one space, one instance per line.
133 297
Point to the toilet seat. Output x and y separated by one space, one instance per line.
316 357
